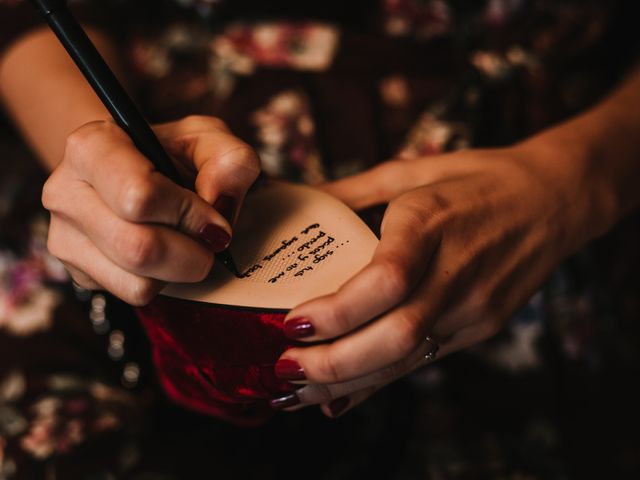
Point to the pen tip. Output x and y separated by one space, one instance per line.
227 261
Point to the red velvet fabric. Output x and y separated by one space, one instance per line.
217 360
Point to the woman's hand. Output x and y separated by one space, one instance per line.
466 240
119 225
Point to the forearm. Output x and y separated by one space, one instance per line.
596 158
45 94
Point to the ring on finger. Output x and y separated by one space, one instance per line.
433 346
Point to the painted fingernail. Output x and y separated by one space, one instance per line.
285 402
289 370
339 405
215 236
298 328
226 206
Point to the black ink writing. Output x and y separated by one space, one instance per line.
285 244
309 228
320 258
308 244
299 273
275 279
296 256
329 241
247 273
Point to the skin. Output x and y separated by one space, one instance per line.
466 240
116 223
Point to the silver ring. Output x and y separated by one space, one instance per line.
433 351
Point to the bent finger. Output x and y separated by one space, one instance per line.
226 166
75 249
147 250
81 279
326 393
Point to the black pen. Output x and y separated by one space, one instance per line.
112 94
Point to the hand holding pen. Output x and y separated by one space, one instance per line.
117 220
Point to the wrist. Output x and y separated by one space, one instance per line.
567 167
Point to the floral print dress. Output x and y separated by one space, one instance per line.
323 90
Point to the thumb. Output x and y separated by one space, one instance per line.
378 185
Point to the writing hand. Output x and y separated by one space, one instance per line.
119 225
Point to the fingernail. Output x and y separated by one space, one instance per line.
215 236
289 370
285 402
226 206
298 328
339 405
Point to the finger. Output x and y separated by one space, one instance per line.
75 249
338 407
226 166
381 345
146 250
316 393
399 262
101 154
380 184
383 183
333 401
81 279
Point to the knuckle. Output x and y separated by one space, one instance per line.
78 140
241 156
49 193
81 279
328 368
137 198
430 212
396 279
141 292
139 250
339 321
408 333
82 144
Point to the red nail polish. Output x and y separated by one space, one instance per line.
215 236
339 405
289 370
226 206
298 328
285 402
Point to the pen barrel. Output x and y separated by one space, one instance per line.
107 87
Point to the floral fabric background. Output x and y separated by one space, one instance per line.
322 90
